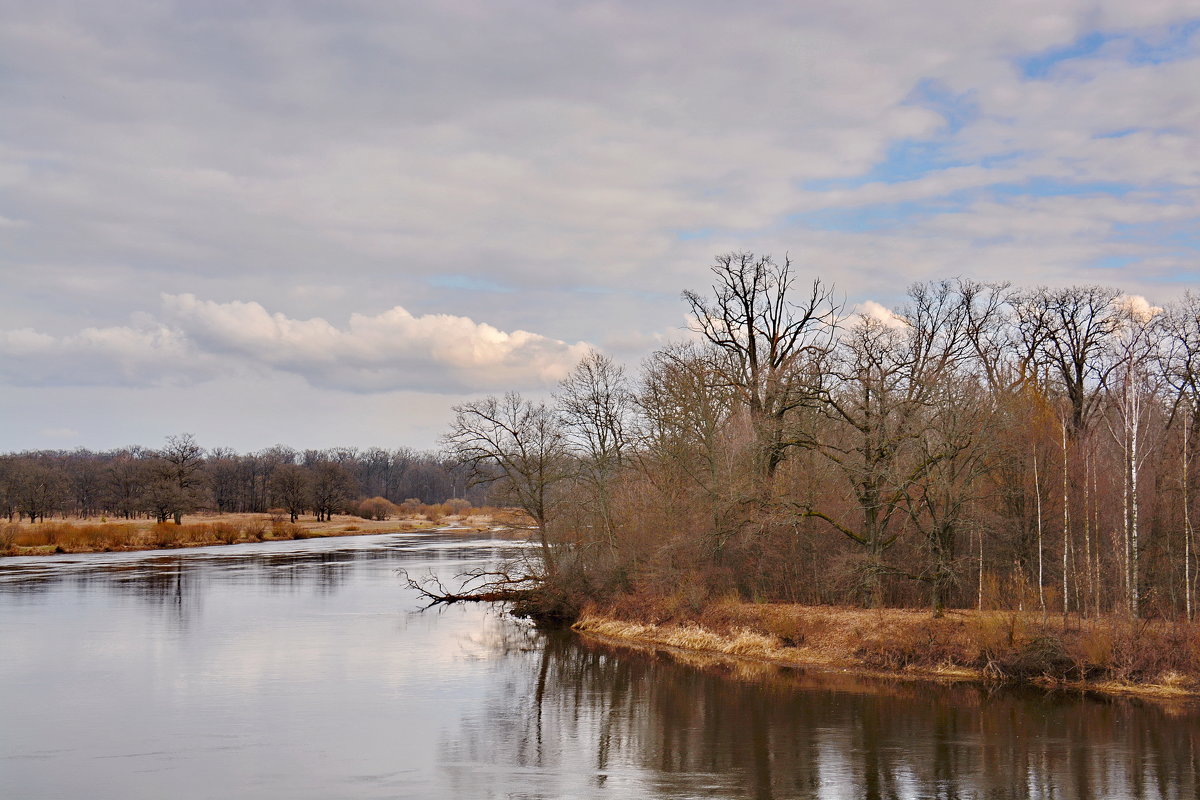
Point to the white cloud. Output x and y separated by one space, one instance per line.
1138 307
880 313
100 356
336 164
197 339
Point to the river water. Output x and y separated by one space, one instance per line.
306 670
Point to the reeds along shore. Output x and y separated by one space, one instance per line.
45 538
1109 654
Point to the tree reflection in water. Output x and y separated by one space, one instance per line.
647 722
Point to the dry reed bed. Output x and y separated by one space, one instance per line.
1111 655
84 537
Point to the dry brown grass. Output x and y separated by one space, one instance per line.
102 535
1153 658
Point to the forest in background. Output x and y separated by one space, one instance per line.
982 445
182 477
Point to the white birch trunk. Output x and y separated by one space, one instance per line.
1066 605
1187 531
1037 489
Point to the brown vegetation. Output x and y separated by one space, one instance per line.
979 446
23 538
1111 654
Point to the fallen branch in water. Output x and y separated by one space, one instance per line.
476 586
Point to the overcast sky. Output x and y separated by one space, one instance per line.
325 223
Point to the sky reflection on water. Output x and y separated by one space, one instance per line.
304 670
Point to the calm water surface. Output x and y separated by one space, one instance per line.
304 670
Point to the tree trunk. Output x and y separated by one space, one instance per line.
1037 489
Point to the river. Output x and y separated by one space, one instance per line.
307 670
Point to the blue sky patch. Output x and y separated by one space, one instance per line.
879 217
1177 42
469 283
1039 66
1112 262
694 234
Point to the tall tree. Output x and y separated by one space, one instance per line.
596 406
521 447
183 468
776 341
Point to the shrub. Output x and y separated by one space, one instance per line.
164 534
457 506
377 508
1044 655
226 532
287 530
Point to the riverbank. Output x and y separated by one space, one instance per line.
204 530
1109 655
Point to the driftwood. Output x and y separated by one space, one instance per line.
476 586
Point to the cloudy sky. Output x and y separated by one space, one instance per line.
325 223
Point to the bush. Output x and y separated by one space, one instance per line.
8 536
377 508
457 506
255 529
287 530
164 534
1044 655
226 532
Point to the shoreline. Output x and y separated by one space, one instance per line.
749 644
209 531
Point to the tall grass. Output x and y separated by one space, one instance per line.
69 537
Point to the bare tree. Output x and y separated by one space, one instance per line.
1180 366
38 489
888 376
868 432
291 488
521 447
1133 390
776 342
1068 330
125 479
8 488
182 467
596 407
331 486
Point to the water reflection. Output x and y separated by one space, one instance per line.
303 670
643 722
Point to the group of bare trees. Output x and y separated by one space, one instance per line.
182 477
981 444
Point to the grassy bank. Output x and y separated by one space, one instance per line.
201 530
1110 654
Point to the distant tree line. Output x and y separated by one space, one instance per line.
979 445
182 478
